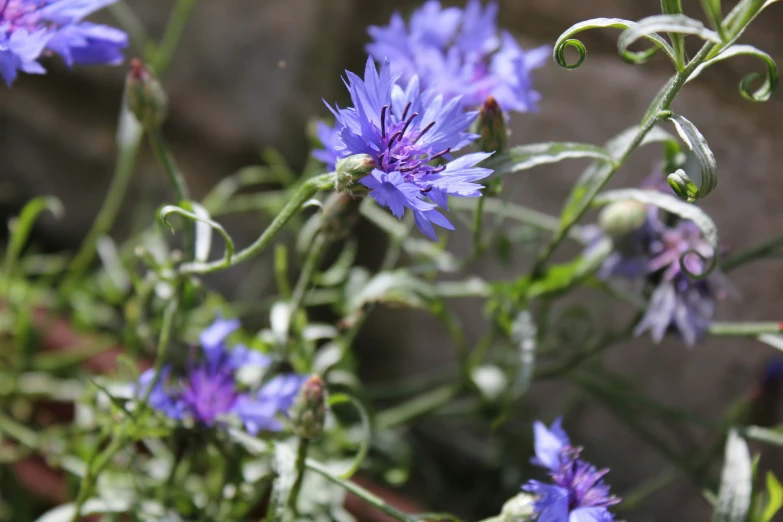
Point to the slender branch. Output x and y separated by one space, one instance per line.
305 192
752 254
178 20
163 347
166 158
301 457
746 329
416 407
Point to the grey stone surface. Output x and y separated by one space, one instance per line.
251 73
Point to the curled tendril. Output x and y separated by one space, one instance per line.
166 211
696 142
680 208
771 78
712 260
364 445
566 40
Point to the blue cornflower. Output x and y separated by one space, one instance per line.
462 53
30 29
209 390
405 131
578 492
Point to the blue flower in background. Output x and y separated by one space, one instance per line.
30 29
330 140
405 131
209 390
578 492
461 53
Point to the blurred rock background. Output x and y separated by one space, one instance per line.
250 74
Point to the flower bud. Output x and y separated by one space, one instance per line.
682 185
144 96
350 170
620 219
309 411
339 215
520 508
492 131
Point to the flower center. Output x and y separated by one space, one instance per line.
400 150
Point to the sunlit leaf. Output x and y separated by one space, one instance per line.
736 485
526 157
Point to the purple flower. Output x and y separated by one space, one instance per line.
578 492
652 253
209 391
29 29
461 53
405 131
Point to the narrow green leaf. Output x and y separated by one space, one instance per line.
166 211
566 40
364 444
694 139
675 206
771 78
712 9
742 15
775 502
650 26
203 233
526 157
674 7
21 226
736 483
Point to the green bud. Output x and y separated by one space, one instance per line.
620 219
492 131
145 97
350 170
520 508
309 411
339 215
682 185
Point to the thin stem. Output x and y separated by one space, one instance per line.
173 33
359 491
163 347
416 407
132 25
306 275
166 159
478 223
305 192
746 329
93 470
752 254
301 456
123 173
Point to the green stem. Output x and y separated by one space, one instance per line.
178 20
478 223
18 431
662 102
745 329
87 486
166 159
301 456
360 492
163 347
306 275
305 192
416 407
752 254
123 173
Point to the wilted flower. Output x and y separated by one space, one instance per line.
404 131
209 390
460 52
578 492
652 252
30 29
